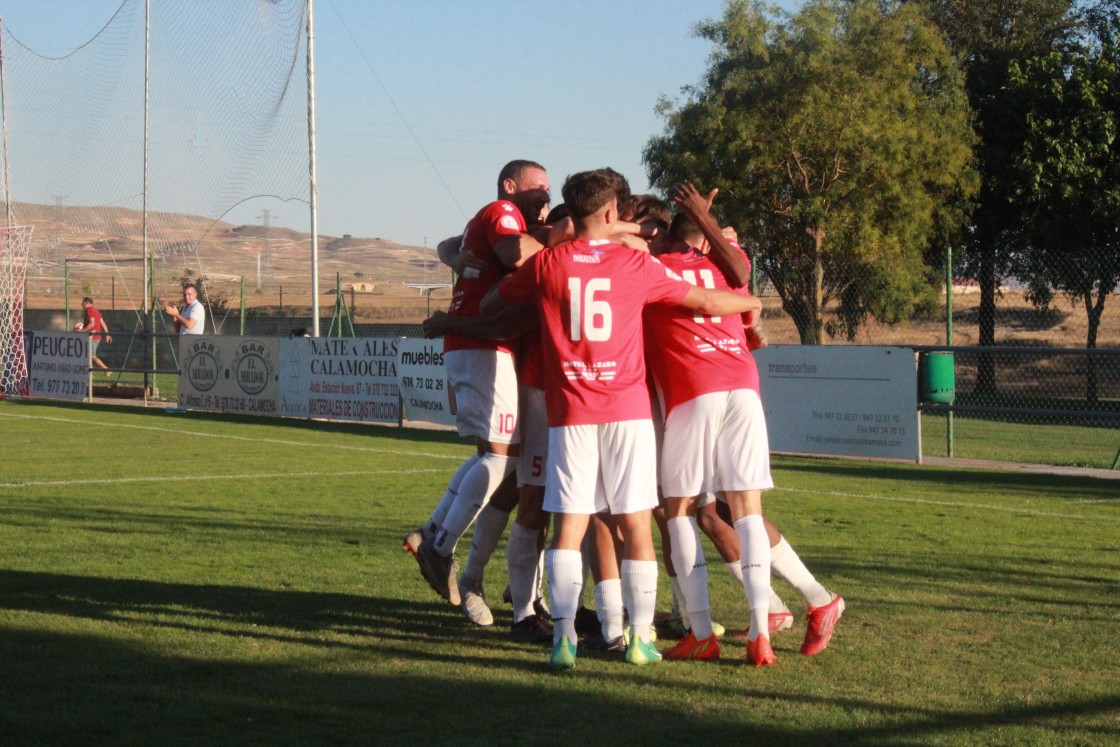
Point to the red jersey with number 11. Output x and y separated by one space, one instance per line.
591 295
691 354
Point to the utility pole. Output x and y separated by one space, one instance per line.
58 251
267 252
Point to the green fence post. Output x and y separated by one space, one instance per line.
949 337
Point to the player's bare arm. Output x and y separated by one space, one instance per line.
711 302
452 254
729 259
505 327
514 251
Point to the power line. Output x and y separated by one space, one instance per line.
397 109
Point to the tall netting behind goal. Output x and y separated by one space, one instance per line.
227 122
15 242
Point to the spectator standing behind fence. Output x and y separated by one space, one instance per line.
95 326
191 319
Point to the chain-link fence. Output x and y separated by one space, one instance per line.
1037 396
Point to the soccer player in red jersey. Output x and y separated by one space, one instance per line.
590 293
715 439
483 379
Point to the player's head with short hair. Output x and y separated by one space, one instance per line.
512 172
557 214
684 228
588 192
651 209
525 184
190 292
622 186
87 302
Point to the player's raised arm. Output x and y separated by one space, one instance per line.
729 259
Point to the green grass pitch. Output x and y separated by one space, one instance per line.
202 580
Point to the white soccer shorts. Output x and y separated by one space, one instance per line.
716 442
484 383
607 467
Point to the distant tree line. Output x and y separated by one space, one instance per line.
855 141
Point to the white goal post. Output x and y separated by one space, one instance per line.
15 241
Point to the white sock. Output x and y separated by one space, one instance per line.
539 576
564 587
789 567
435 521
609 608
639 594
488 529
736 571
692 573
474 491
521 561
755 547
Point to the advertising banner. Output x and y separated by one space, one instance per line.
423 378
228 374
58 365
339 378
841 400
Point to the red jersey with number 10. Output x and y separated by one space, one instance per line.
691 354
493 223
591 295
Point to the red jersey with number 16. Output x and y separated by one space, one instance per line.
493 223
591 295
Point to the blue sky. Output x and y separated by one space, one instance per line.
420 102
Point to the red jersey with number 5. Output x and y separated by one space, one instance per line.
490 225
591 295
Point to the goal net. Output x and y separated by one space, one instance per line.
226 138
14 244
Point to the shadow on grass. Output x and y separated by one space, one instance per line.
361 670
290 616
163 417
942 480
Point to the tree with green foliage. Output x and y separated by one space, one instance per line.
987 37
1069 170
836 137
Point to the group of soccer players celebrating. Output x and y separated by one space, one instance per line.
561 326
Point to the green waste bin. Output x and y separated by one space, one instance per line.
938 378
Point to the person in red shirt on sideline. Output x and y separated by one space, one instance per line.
95 326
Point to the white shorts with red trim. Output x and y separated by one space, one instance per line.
484 384
607 467
716 442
